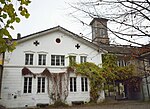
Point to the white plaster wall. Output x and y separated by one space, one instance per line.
78 95
48 45
13 86
146 87
14 62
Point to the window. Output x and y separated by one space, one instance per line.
83 59
84 84
27 85
73 84
28 59
121 63
102 32
40 84
72 60
42 59
58 60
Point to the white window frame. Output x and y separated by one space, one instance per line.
40 87
73 84
28 59
28 87
84 84
43 58
83 59
122 63
57 60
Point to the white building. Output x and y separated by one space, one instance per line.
36 71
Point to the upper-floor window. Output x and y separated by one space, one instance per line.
122 63
42 59
28 59
40 84
58 60
83 59
27 85
84 84
102 32
73 84
72 60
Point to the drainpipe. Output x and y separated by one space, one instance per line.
1 73
145 73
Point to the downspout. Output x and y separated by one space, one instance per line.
1 73
145 73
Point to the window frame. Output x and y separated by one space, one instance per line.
41 88
72 60
57 60
102 32
29 58
27 87
83 59
43 59
121 63
84 84
73 84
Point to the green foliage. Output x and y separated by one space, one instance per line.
8 16
93 72
109 66
111 71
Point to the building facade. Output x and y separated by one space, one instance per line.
36 72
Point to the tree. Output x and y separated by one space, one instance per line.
9 14
108 73
112 72
130 18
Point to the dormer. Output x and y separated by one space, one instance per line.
99 31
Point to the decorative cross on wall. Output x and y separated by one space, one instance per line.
77 46
36 43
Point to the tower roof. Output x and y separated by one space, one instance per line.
98 19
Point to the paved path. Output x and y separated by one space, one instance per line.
108 105
114 105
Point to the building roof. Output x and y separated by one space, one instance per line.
98 19
138 52
65 31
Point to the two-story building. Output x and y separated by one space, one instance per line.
36 71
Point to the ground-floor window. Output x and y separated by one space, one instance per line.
73 84
84 84
27 85
40 84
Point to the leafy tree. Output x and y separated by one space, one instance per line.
112 72
108 73
9 14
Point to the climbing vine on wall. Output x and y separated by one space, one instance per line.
57 83
109 72
112 72
93 72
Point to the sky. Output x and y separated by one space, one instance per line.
45 14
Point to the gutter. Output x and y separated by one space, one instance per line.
1 73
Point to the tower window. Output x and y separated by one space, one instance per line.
102 32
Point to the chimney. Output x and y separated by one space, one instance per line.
99 31
18 36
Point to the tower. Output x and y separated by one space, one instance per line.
99 31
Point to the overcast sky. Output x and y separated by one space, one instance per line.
45 14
